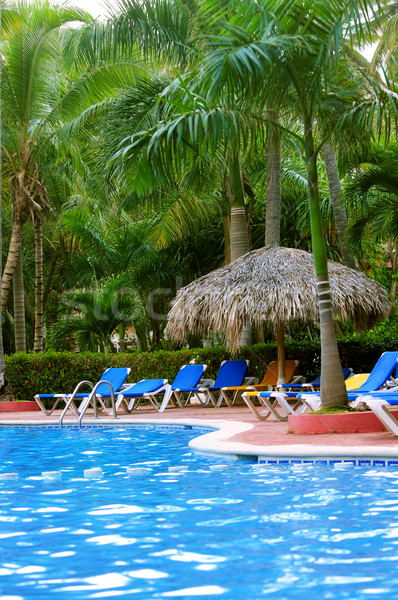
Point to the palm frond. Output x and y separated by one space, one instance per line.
185 216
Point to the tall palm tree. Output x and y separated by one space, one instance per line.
293 68
337 198
177 32
29 51
41 98
372 198
19 307
2 359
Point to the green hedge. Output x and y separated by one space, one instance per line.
50 372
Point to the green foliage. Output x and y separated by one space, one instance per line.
53 372
335 410
93 314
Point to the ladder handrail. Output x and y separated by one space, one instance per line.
92 396
72 397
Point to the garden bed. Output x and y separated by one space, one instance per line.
350 422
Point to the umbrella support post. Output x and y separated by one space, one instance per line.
280 338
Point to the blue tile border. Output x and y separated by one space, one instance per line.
111 426
329 462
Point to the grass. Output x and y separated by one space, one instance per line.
335 410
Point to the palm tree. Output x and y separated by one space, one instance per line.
19 307
2 359
292 68
43 95
384 35
109 243
177 33
337 198
92 315
29 51
372 198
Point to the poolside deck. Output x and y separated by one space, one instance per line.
240 433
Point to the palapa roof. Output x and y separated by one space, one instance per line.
275 285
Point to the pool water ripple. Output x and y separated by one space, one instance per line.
206 528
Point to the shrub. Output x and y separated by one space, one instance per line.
50 372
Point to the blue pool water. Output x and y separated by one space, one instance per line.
218 530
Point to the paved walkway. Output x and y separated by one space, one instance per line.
240 433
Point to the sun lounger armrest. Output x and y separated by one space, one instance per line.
206 383
307 386
312 401
250 381
298 379
124 387
391 383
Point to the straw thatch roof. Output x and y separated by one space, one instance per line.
272 284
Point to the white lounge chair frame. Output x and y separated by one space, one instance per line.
270 403
131 403
382 409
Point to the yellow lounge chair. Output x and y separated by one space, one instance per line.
355 381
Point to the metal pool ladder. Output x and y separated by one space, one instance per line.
91 398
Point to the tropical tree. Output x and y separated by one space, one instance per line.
285 52
92 315
337 198
46 90
112 243
2 359
372 198
384 34
177 33
29 52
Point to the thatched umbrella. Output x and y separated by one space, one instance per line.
275 285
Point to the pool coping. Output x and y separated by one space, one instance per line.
218 442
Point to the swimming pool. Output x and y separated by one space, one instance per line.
162 522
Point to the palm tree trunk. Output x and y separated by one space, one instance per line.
336 195
19 307
12 258
38 341
2 359
274 162
239 239
393 250
273 216
140 330
333 390
73 345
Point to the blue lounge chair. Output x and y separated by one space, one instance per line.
110 383
378 378
232 394
149 389
231 373
380 374
188 377
311 385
